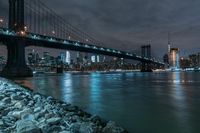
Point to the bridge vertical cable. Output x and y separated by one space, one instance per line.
40 19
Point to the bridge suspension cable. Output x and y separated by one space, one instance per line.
40 19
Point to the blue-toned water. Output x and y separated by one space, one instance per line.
140 102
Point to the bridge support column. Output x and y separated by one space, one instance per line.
146 52
16 65
146 67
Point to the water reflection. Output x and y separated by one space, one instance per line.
66 88
140 102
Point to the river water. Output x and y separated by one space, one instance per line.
159 102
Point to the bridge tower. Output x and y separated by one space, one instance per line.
146 52
16 64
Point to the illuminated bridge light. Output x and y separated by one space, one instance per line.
108 50
36 37
119 52
77 44
50 39
95 47
102 49
87 46
65 42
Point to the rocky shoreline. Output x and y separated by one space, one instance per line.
22 111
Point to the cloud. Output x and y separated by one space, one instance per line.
127 24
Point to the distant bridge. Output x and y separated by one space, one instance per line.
55 33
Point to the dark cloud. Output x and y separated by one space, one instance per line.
127 24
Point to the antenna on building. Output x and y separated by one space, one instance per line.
169 42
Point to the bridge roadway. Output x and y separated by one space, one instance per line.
32 39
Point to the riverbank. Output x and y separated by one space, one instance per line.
22 111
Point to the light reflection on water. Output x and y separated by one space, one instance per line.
140 102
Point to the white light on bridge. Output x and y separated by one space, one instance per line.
1 20
25 28
53 32
22 33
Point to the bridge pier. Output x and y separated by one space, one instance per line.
146 52
146 67
16 64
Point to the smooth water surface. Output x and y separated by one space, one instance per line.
140 102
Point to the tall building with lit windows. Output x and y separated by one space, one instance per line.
174 58
68 58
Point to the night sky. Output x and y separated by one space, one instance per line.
128 24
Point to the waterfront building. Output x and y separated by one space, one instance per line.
93 59
68 58
185 63
174 61
195 60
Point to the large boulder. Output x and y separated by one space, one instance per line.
27 126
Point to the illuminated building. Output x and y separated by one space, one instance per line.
174 58
93 59
68 59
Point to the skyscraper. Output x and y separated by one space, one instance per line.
68 58
174 58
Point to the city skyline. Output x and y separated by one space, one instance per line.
129 24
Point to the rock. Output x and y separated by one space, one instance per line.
19 104
40 114
37 98
54 121
1 122
38 109
27 126
49 115
111 127
65 132
95 118
16 97
21 114
1 97
54 129
6 100
17 114
28 117
75 127
85 128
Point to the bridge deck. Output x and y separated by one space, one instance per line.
57 43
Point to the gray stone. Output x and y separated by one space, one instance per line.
37 98
27 126
53 121
1 122
75 127
16 97
85 128
65 132
6 100
38 109
19 104
54 129
28 117
111 127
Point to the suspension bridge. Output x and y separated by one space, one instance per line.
32 23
